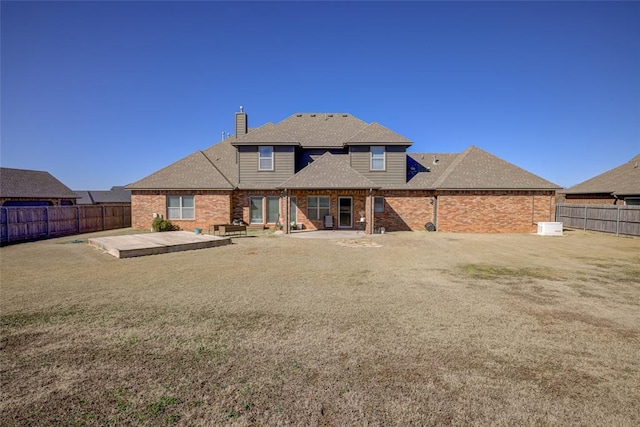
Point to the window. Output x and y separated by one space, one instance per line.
255 210
377 158
273 209
632 201
317 207
180 207
378 204
265 158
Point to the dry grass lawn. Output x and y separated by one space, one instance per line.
403 328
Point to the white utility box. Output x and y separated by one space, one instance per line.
550 229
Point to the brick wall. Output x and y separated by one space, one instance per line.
494 211
405 210
358 203
589 199
212 207
241 203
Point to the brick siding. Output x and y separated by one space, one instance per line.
589 199
494 211
405 210
457 211
211 207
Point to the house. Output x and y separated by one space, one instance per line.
620 185
117 195
309 166
23 187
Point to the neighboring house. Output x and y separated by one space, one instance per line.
620 185
311 165
22 187
118 195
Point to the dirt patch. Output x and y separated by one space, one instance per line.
425 329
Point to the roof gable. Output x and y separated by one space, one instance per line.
476 169
378 134
194 172
330 171
622 180
32 184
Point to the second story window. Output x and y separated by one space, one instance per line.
265 158
377 158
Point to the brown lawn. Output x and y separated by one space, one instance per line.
403 328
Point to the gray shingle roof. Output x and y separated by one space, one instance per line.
473 169
194 172
117 194
330 171
478 170
321 130
265 134
32 184
623 180
424 169
376 134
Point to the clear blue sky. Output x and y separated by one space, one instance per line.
105 93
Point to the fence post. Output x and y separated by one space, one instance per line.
78 216
585 218
104 221
618 222
46 210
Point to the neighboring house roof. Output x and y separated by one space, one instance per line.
32 184
476 169
321 130
194 172
330 171
117 194
620 181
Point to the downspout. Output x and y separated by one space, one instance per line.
533 209
371 213
435 211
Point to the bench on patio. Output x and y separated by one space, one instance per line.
228 229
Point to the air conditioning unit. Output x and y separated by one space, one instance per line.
550 229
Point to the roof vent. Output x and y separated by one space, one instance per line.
298 115
329 115
436 160
313 115
344 115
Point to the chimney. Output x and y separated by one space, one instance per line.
241 122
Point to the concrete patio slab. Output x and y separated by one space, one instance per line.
156 243
331 234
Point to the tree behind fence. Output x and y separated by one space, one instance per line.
617 219
28 223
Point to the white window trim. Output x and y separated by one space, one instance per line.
271 158
181 207
317 208
384 158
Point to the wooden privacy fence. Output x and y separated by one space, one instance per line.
618 219
27 223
